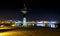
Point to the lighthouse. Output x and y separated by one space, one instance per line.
24 12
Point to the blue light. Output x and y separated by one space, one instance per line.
40 25
52 25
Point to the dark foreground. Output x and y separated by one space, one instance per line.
30 32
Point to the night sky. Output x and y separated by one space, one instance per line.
37 10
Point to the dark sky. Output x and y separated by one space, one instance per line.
37 10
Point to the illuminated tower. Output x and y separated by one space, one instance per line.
24 11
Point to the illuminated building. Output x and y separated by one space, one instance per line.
41 23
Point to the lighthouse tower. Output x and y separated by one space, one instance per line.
24 11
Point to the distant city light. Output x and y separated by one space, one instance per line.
10 20
40 22
2 22
53 22
13 25
18 22
52 25
45 22
2 26
41 25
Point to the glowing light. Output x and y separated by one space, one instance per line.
52 25
24 12
10 20
24 22
2 26
53 22
33 24
45 22
2 22
18 22
40 22
7 22
12 25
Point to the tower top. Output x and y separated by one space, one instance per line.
24 9
24 5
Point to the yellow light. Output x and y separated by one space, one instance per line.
1 26
12 25
2 22
45 22
8 22
32 22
